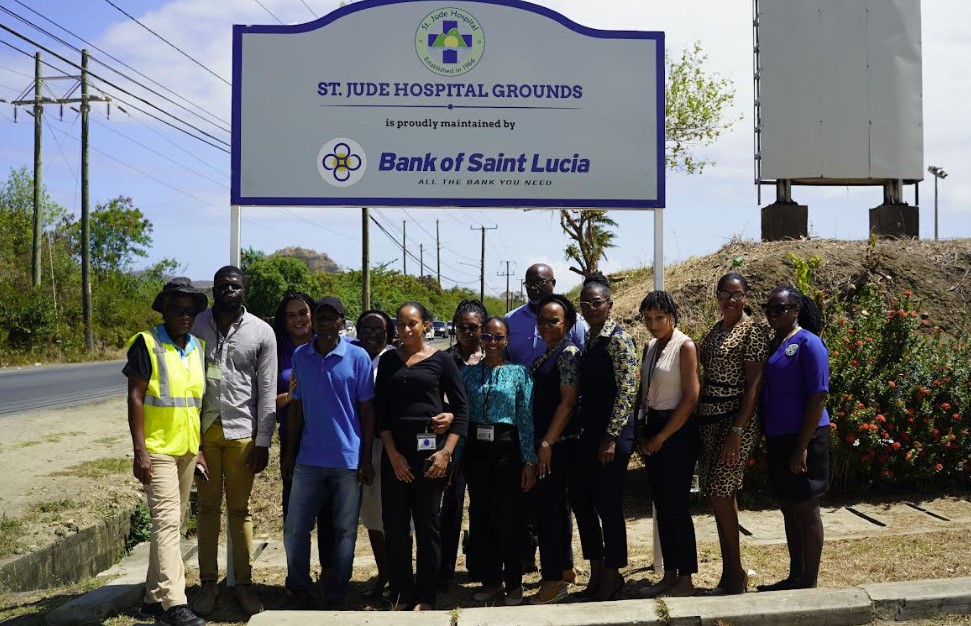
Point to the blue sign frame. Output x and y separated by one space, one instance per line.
589 203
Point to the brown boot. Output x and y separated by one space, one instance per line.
248 600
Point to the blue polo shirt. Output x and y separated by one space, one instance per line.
798 369
331 387
525 344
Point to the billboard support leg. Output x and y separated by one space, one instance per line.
234 219
658 249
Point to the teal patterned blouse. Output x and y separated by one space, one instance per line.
508 392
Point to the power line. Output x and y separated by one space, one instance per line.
309 9
220 172
117 60
172 45
13 71
107 82
268 11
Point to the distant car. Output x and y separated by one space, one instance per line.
430 333
349 330
440 329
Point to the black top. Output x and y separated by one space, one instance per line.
406 398
598 389
547 381
139 361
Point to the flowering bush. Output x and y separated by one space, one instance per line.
900 397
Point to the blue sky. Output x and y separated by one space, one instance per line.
183 185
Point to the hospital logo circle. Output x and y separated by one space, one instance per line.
449 41
341 162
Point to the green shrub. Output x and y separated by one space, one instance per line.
141 527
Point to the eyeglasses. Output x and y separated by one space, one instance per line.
293 315
595 304
548 321
468 328
180 311
778 309
363 330
731 295
540 282
487 338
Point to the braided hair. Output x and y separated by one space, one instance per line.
496 318
809 316
471 307
660 301
569 311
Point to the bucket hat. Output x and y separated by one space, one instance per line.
181 286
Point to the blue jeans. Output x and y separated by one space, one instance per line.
336 490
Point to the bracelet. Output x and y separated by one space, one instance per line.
449 452
738 430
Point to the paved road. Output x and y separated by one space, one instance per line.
28 388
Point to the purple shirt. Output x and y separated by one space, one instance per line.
795 371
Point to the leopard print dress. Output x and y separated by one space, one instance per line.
723 355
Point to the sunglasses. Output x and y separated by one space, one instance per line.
778 309
180 311
540 282
731 295
370 331
548 321
468 328
487 338
596 304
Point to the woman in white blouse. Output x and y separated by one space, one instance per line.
668 436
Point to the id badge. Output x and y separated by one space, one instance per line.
485 433
214 373
426 441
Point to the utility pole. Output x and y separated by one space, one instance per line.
421 259
507 273
438 255
38 128
938 173
38 103
482 262
365 260
404 250
85 212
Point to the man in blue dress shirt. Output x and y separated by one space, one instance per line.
525 344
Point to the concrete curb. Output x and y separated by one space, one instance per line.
69 559
920 599
809 607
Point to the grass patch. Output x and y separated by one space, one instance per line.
29 608
54 506
107 440
51 438
11 530
98 468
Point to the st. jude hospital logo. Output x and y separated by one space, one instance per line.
341 162
449 41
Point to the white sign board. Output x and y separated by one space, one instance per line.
495 103
840 90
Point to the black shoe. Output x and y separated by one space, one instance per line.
181 615
782 585
375 591
151 610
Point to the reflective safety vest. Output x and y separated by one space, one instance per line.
173 400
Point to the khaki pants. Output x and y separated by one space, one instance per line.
224 458
168 495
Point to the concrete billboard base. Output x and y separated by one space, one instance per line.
785 220
895 221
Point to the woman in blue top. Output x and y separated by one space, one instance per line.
793 402
499 463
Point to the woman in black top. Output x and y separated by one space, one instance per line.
607 390
410 388
556 430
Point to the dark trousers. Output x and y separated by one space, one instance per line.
669 473
325 523
401 502
451 520
554 521
493 471
597 496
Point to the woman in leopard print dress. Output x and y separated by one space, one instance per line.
732 355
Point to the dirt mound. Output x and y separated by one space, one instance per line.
937 272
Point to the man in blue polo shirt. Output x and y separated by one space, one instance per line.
525 344
330 426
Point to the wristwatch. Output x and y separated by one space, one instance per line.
545 444
738 430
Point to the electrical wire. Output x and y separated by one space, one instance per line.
268 11
172 45
224 127
309 9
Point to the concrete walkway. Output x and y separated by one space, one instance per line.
859 605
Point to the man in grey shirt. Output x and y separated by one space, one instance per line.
238 417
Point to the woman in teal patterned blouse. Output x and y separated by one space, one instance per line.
499 463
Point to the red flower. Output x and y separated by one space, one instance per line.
854 362
880 418
956 417
850 439
895 445
938 467
892 384
946 406
908 293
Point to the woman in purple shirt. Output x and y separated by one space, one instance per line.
793 402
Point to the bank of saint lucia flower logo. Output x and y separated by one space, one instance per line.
449 41
341 162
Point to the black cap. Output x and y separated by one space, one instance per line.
181 286
332 302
